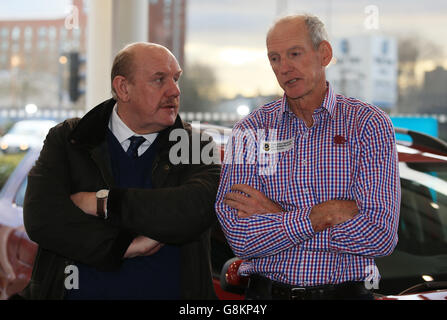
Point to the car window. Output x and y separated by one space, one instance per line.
32 128
20 196
421 252
423 216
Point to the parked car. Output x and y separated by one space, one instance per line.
417 268
25 134
17 251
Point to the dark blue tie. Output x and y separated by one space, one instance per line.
135 143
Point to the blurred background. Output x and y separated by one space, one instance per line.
391 53
56 56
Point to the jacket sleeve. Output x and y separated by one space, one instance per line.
55 223
173 215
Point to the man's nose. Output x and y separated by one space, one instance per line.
285 66
173 89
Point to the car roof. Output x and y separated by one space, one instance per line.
422 148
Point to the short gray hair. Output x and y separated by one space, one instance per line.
315 27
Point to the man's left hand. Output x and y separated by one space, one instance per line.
86 201
142 246
250 202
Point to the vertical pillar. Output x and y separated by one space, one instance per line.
130 25
99 51
176 29
111 25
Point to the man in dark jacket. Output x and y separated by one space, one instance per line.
113 216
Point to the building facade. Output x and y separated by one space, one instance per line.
33 57
434 91
34 53
167 25
365 67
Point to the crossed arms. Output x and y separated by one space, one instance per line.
365 225
175 214
140 246
249 201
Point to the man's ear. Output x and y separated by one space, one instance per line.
120 84
325 51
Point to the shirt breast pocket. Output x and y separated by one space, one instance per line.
333 172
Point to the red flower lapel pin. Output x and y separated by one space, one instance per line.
339 139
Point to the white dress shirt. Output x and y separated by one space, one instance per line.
122 133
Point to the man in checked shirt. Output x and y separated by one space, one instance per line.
309 193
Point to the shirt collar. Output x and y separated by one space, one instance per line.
329 102
122 132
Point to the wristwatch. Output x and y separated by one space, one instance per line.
101 200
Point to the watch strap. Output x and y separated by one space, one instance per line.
100 207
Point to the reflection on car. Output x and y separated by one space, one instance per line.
419 260
17 251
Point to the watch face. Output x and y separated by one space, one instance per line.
102 194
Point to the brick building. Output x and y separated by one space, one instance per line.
167 25
32 55
34 52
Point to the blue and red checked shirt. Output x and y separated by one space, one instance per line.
349 154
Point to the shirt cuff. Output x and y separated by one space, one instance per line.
298 226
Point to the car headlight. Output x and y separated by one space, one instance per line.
23 146
4 146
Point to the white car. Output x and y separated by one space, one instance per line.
25 134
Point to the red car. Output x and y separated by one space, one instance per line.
417 269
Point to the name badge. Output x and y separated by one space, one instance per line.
277 146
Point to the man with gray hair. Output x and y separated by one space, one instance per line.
311 225
113 216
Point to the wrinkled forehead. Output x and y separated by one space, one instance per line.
288 33
157 59
157 54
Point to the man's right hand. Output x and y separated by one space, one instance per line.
142 246
331 213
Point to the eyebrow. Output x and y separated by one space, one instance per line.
296 47
289 49
161 73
